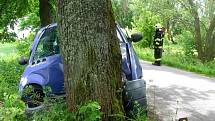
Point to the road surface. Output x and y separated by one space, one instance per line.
173 93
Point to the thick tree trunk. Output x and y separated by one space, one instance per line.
198 38
92 57
45 11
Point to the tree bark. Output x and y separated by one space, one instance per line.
92 57
198 38
45 11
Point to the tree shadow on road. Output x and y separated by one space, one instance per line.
177 101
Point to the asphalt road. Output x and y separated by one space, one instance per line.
173 93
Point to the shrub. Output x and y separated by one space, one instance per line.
23 46
58 111
144 21
10 72
187 42
11 107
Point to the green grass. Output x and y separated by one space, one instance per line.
7 49
11 107
174 56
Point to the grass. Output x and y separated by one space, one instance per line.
176 58
11 107
7 49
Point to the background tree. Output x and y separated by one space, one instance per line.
203 24
123 13
90 48
10 11
46 12
35 12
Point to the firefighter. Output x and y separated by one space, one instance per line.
158 44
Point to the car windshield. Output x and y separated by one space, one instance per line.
48 45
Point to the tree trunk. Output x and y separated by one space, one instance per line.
45 11
210 41
198 38
92 57
169 33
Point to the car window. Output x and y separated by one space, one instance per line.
48 45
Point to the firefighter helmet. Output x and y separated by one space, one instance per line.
158 26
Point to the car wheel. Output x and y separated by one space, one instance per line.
134 96
33 95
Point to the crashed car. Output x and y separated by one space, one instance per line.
44 68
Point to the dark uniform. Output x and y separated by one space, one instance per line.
158 45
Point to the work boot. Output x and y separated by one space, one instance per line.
157 63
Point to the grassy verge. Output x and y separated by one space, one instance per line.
7 49
178 60
11 107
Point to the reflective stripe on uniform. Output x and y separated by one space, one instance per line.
158 39
160 47
158 59
157 43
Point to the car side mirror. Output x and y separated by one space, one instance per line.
136 37
23 61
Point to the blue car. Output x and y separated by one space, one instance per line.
44 68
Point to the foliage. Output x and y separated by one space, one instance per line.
6 36
23 12
187 42
58 111
122 13
89 112
139 114
201 23
11 107
31 20
9 75
10 11
144 21
23 46
196 17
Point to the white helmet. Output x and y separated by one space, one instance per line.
158 26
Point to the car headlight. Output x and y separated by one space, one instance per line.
23 81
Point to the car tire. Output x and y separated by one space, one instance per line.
34 97
134 96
